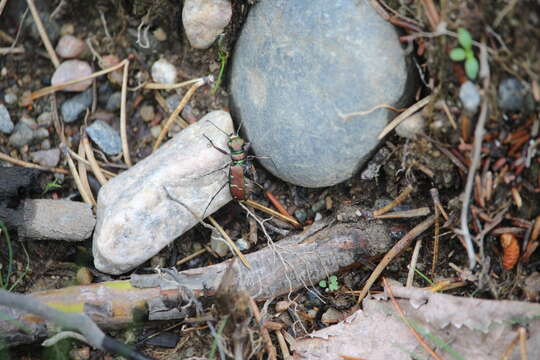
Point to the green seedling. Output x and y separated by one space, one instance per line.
465 53
331 285
51 186
223 55
6 278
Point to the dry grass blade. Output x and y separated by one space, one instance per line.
84 176
404 319
87 199
43 33
229 241
123 115
159 86
414 261
53 88
5 157
401 197
398 119
177 112
12 50
401 245
92 160
272 212
2 6
189 257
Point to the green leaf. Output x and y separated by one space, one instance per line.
333 279
464 38
322 283
457 54
471 67
333 287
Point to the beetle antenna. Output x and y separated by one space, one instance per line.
217 127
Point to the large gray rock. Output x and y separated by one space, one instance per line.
298 67
136 218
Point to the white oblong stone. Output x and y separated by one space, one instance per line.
135 216
72 70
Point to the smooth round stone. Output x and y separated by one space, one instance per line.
298 68
72 70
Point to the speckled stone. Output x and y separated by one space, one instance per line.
6 125
135 216
298 67
107 138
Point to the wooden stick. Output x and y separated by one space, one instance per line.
401 245
43 33
398 119
277 204
423 211
123 120
84 176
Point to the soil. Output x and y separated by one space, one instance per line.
509 29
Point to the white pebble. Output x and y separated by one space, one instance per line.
204 20
411 126
72 70
163 72
70 47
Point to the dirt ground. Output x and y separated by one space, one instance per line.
437 159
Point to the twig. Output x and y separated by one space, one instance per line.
92 160
229 241
507 9
18 162
412 265
398 119
431 13
271 212
189 257
43 33
435 196
423 211
177 111
53 88
11 50
401 197
123 116
395 251
406 321
277 204
79 321
283 345
478 135
264 331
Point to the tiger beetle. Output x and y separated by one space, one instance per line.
239 167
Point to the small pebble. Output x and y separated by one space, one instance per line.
163 72
45 119
160 34
22 135
41 133
155 130
105 137
218 244
46 144
411 126
300 215
116 76
147 113
67 29
30 122
242 244
84 276
469 96
282 306
49 158
173 101
70 47
331 316
71 70
512 95
10 98
6 125
204 20
72 108
114 101
318 217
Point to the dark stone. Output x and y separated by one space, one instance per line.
298 67
105 137
72 108
513 96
